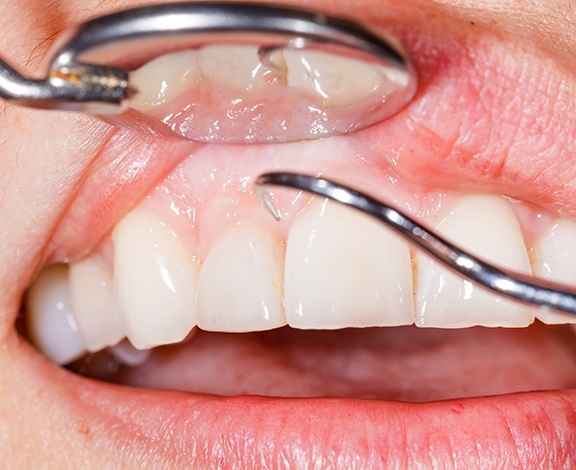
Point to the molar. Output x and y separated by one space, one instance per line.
487 227
93 304
50 320
241 282
345 270
155 280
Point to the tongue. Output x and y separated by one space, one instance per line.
405 363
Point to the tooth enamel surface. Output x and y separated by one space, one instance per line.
163 79
50 320
236 66
488 228
125 353
93 304
330 79
345 270
241 280
155 279
555 260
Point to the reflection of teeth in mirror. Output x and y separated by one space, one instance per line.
326 79
50 319
333 80
163 79
555 260
246 94
235 66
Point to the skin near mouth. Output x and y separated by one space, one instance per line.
148 197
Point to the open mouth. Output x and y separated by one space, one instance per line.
221 337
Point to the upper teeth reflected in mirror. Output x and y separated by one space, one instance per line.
237 93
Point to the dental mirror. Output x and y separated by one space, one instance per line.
225 72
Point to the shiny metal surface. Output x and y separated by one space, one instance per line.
526 289
82 70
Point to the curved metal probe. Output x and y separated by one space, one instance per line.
526 289
79 70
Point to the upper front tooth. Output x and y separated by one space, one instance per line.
163 79
50 321
240 284
93 304
487 227
555 260
345 270
155 281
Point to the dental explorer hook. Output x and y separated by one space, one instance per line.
524 288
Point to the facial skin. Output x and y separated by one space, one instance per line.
47 158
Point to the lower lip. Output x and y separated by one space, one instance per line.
528 430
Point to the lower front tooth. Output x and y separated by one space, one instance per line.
487 227
50 321
240 284
345 270
555 260
125 353
93 303
155 280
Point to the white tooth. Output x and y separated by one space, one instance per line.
163 79
334 80
488 228
345 270
93 304
236 66
155 280
50 321
555 260
127 354
240 284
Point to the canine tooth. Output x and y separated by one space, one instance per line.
154 279
345 270
93 304
488 228
236 66
555 260
50 321
334 80
163 79
240 284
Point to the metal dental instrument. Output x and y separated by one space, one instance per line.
526 289
86 70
